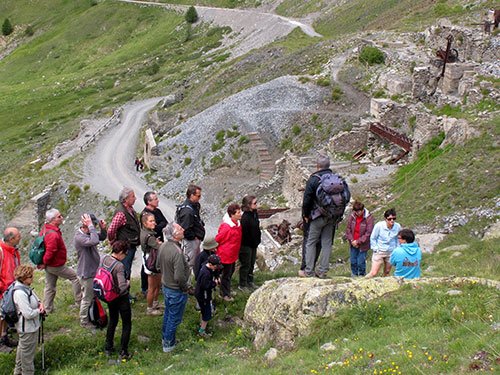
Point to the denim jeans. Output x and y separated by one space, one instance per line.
358 262
128 260
175 303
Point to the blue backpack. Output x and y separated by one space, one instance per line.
332 196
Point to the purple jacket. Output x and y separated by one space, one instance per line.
365 229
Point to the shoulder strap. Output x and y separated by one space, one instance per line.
1 256
112 266
46 232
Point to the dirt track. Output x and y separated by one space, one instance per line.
255 29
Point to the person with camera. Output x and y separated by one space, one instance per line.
85 242
30 311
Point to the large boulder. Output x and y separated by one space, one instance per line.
283 309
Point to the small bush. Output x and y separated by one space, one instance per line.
187 161
219 136
29 31
7 28
191 15
371 56
296 130
243 140
217 160
337 93
323 81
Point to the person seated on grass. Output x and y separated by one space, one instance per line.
407 257
205 283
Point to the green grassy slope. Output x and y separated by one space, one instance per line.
356 15
86 59
412 331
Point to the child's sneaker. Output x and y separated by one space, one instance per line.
203 333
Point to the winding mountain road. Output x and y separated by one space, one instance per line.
110 166
254 29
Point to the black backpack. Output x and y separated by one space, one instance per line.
97 314
8 310
332 196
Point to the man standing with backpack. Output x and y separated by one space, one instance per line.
54 260
325 197
9 260
188 217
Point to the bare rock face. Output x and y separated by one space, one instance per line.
457 131
283 309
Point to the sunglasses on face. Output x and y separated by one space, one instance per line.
391 218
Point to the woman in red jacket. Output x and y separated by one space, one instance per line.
229 240
359 228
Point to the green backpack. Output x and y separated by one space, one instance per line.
37 249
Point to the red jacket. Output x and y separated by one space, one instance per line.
229 240
365 229
55 249
9 260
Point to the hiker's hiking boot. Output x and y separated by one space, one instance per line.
153 311
124 356
8 342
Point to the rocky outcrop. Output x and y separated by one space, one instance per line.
297 302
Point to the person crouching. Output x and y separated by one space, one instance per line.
205 283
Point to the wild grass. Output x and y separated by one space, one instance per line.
66 71
401 15
450 180
414 330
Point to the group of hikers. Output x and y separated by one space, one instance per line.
174 251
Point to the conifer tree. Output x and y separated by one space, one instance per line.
7 28
191 15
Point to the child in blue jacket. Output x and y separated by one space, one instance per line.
407 257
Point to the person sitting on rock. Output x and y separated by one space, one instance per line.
407 257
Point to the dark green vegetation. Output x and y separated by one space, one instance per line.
191 15
7 28
371 55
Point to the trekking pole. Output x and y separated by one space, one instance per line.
43 344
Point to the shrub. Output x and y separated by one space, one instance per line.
191 15
7 28
243 140
371 55
187 161
323 81
296 130
336 93
29 31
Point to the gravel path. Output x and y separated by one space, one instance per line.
254 29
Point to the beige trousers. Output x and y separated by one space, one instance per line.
25 356
51 276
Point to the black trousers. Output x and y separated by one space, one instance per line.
318 247
120 307
247 264
144 280
225 282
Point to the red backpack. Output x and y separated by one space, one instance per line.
104 285
96 314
